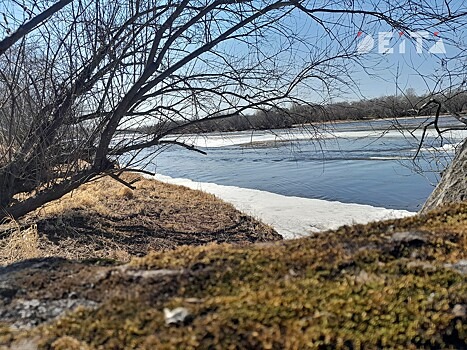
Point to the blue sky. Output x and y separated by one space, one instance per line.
408 70
377 74
400 71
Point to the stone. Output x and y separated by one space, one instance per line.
424 265
460 266
453 185
459 311
175 316
7 293
409 237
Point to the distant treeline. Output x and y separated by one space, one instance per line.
277 118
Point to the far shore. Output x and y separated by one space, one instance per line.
311 124
340 121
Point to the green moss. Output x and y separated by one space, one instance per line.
351 288
394 310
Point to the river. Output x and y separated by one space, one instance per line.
369 162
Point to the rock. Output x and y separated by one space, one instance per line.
453 185
7 293
425 265
431 297
460 266
48 263
362 277
24 314
149 273
459 311
411 237
177 315
24 344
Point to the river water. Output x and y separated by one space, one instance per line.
367 162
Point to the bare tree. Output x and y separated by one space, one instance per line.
76 74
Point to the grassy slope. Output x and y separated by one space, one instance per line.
357 287
106 219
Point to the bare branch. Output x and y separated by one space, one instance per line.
27 27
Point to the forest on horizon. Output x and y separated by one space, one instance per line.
392 106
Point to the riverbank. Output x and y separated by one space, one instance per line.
105 219
292 217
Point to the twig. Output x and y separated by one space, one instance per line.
123 182
191 148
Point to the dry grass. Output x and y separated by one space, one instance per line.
19 243
105 219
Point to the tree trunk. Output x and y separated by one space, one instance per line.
453 185
52 193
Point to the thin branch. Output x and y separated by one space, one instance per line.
123 182
27 27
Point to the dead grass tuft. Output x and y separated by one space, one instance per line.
20 243
125 193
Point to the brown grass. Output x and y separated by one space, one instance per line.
105 219
20 243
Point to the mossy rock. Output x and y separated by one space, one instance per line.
390 284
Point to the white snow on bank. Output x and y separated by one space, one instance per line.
449 147
292 217
215 140
301 134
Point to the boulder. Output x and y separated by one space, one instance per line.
452 187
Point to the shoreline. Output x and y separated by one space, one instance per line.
292 217
302 132
106 220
